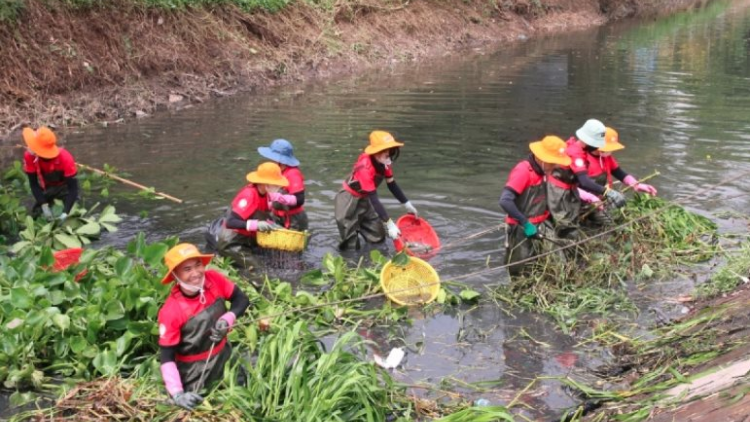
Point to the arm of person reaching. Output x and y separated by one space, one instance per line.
399 195
234 221
633 182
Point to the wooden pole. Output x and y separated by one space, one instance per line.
121 179
128 182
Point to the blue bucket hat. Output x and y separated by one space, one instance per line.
280 151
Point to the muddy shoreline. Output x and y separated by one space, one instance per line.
69 68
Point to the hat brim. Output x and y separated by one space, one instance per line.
539 152
596 143
279 158
253 177
372 150
611 147
29 137
205 258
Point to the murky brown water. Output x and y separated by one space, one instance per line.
677 90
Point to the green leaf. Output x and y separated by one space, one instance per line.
468 295
20 298
78 344
89 229
441 296
62 321
114 310
108 215
123 266
67 240
123 343
106 362
18 246
154 253
401 259
46 258
314 278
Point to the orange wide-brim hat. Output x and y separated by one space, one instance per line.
611 141
551 149
381 141
41 142
268 174
179 254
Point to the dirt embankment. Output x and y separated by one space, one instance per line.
68 67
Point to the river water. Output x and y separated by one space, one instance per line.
677 90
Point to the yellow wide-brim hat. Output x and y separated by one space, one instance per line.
381 141
611 141
551 149
179 254
268 174
41 142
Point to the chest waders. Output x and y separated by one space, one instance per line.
355 215
533 204
237 246
193 350
564 203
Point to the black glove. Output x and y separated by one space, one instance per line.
617 198
219 331
187 400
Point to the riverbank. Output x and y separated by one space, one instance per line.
75 67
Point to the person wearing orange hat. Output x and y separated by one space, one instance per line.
235 235
358 209
194 322
51 171
524 199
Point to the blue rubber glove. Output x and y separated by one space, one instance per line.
530 230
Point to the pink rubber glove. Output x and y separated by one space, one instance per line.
587 197
288 200
639 187
229 317
171 377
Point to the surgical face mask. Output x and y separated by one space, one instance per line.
190 288
272 188
384 159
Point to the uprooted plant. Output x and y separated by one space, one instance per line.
586 278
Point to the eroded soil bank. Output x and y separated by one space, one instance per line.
67 67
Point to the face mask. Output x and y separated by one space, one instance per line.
192 289
384 160
272 189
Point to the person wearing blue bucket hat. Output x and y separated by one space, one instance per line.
287 203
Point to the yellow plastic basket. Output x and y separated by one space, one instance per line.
283 240
415 283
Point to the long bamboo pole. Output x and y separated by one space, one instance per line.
128 182
122 180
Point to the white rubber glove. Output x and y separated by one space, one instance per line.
392 228
410 208
46 211
62 217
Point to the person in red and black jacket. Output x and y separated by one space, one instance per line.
234 235
194 322
287 204
524 199
358 208
51 171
